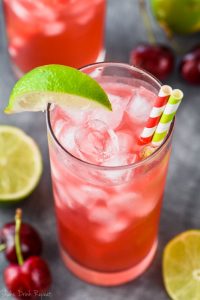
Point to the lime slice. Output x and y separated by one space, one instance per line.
20 164
181 266
64 86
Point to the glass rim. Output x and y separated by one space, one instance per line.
124 167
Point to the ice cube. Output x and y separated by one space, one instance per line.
76 8
44 10
144 206
120 224
77 116
55 172
117 160
118 176
147 94
104 235
126 141
111 118
79 196
139 108
12 51
86 16
54 28
16 44
21 11
108 232
124 202
62 196
91 196
95 194
101 215
121 93
132 204
32 11
96 142
58 127
67 138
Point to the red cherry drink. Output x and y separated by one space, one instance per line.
41 32
107 196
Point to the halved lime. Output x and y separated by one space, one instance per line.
181 266
62 85
20 164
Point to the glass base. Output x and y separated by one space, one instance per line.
108 279
18 73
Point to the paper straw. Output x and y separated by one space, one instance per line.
167 117
155 114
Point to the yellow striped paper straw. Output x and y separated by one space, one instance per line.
167 117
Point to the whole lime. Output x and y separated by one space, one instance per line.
177 16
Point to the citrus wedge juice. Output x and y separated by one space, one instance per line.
107 198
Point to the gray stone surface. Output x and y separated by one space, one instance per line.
181 209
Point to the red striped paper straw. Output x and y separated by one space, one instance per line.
155 114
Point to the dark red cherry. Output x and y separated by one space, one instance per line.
156 59
30 241
28 281
190 66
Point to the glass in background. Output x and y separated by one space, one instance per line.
40 32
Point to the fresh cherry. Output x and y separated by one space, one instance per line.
30 241
156 59
28 281
190 66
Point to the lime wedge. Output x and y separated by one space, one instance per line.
64 86
20 164
181 266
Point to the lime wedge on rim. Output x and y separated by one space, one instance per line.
62 85
20 164
181 266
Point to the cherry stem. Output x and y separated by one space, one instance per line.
147 22
18 222
2 247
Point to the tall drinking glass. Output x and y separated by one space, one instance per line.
107 197
40 32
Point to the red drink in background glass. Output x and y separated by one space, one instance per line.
40 32
107 198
